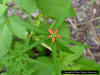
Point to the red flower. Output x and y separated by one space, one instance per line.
53 35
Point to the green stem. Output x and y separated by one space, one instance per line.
55 60
29 16
53 23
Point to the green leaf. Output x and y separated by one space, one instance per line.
18 30
72 67
27 5
46 69
26 24
64 31
71 13
88 63
0 1
3 8
53 8
5 40
77 50
6 1
63 47
62 17
2 20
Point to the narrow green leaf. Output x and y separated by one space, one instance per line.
32 61
62 17
33 45
13 68
75 42
53 23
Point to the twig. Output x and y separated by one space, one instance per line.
92 20
91 54
72 24
94 33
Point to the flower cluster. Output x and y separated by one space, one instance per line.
53 35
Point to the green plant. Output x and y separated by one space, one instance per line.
18 38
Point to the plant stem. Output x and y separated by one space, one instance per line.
55 59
